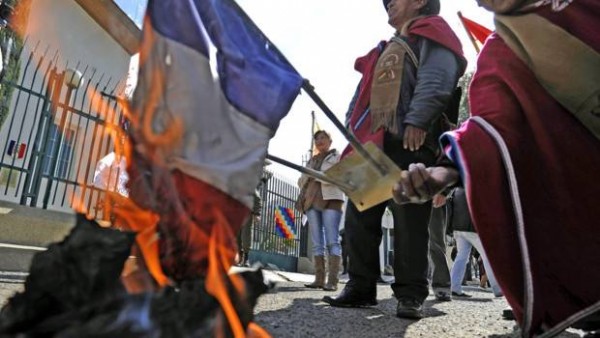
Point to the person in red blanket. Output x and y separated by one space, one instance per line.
529 157
407 84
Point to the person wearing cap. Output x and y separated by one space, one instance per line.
529 157
407 83
244 235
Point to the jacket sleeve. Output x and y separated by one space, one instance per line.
437 76
351 106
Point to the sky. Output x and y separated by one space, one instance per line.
322 39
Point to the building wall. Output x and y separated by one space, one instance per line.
62 25
59 33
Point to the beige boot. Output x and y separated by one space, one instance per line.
319 262
333 273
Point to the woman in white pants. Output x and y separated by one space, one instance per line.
466 238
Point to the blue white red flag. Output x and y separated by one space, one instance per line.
229 114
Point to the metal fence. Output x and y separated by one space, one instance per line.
275 195
56 132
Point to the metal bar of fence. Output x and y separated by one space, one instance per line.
72 164
104 141
92 146
110 119
36 161
46 121
10 126
82 152
68 111
277 192
42 99
25 114
60 136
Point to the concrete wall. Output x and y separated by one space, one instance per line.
62 25
61 34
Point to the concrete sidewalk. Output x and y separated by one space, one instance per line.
25 225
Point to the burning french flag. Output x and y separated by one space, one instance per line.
228 116
201 128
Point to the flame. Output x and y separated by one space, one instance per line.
220 260
144 223
255 331
209 238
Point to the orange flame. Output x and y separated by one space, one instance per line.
220 251
144 223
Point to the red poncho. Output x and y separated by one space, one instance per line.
434 28
556 164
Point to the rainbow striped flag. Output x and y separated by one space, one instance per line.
285 223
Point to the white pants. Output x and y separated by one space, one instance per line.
464 242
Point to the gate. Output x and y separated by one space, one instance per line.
268 245
55 133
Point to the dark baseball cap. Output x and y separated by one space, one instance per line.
432 7
385 3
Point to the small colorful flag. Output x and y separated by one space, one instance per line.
285 222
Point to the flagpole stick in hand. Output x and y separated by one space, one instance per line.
419 184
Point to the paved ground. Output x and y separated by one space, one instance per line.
294 311
289 310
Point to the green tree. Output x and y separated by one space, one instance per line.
463 111
13 65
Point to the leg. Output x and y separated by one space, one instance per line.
411 250
463 247
440 280
363 235
411 236
411 247
331 221
488 269
315 227
246 241
363 232
344 255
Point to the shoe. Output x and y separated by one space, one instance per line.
352 297
380 280
409 308
590 324
442 296
508 314
462 295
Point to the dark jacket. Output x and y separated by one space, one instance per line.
425 92
458 211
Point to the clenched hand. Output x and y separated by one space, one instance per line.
419 184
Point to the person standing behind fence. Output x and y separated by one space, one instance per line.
466 238
244 236
322 204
